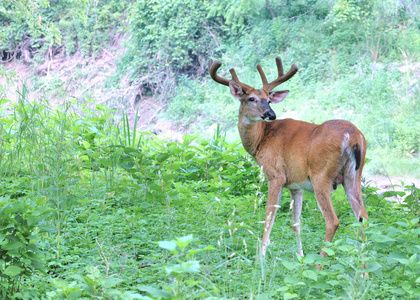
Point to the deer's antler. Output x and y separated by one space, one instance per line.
215 65
281 77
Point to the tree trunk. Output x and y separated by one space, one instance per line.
407 7
270 9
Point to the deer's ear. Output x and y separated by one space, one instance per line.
236 90
278 96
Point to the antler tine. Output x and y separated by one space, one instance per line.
279 66
213 67
262 75
234 76
281 76
246 88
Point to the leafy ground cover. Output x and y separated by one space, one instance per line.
92 209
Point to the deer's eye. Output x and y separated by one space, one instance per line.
251 99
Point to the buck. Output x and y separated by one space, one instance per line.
297 155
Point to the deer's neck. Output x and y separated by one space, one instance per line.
251 134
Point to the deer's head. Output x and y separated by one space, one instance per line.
255 103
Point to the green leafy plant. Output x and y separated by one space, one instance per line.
179 273
21 222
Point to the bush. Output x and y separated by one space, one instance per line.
20 256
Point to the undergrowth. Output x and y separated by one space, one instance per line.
92 209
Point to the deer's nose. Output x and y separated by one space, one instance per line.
269 114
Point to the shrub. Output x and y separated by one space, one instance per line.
20 256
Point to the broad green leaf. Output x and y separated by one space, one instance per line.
333 282
290 265
308 259
133 295
13 271
310 274
290 296
311 258
194 251
47 228
406 286
193 282
413 259
93 129
73 293
14 245
393 194
185 267
59 283
130 150
379 238
168 245
156 293
403 261
372 266
403 224
346 248
293 280
112 281
414 221
176 269
37 265
329 251
162 157
86 144
127 164
338 266
282 289
191 266
393 256
168 177
183 242
2 237
189 155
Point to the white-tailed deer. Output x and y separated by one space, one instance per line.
296 154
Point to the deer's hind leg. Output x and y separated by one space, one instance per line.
322 189
353 186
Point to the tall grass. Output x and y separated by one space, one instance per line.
91 208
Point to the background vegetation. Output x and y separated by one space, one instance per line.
90 208
357 59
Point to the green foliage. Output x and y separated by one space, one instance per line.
9 77
89 26
236 14
88 198
167 38
21 224
350 10
193 102
108 212
181 272
172 30
21 18
34 26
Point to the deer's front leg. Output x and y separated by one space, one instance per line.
275 187
296 198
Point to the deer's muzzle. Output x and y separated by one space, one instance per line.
268 113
